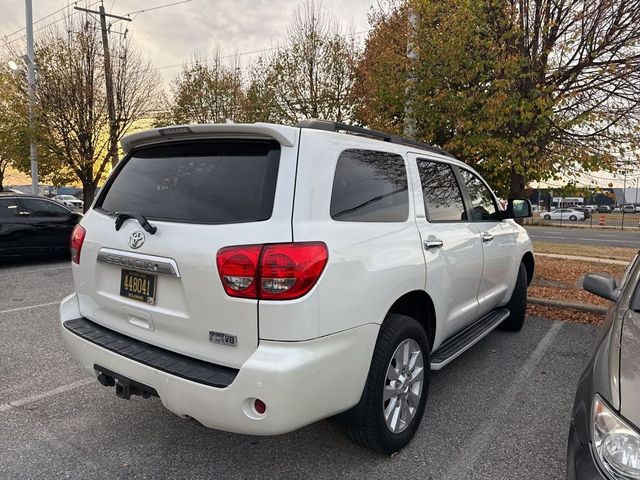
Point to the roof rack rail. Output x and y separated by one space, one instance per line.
330 126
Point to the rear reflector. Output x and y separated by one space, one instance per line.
271 272
260 406
77 239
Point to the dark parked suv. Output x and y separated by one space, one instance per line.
604 438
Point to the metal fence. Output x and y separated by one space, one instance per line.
617 221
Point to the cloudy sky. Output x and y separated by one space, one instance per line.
171 35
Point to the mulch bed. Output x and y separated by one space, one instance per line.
559 280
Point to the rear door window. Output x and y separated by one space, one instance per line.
370 186
441 193
9 208
197 182
43 208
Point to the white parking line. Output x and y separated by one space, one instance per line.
34 398
19 309
473 448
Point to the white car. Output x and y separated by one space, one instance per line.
258 278
69 201
564 214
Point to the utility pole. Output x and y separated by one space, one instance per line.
31 81
409 129
108 74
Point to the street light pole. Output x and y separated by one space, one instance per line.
31 80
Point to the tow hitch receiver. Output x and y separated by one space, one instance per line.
125 387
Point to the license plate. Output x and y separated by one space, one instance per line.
138 286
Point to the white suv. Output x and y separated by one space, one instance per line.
258 278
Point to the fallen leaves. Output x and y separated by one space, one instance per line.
615 253
560 279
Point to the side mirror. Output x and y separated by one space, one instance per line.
601 284
518 208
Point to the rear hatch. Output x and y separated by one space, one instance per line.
201 194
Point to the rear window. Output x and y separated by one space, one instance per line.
198 182
370 186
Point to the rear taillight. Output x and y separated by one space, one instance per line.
77 239
271 272
289 270
238 267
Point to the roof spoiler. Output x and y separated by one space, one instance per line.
284 135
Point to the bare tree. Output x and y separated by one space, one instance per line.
136 85
312 75
72 103
207 91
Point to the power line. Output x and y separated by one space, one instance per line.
37 21
158 7
17 39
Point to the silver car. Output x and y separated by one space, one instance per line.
604 438
69 201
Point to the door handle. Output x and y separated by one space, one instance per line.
431 244
486 236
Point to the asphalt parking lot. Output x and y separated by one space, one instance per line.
501 411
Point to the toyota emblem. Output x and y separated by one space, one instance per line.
136 239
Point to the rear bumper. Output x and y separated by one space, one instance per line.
300 382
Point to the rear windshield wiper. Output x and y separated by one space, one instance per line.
144 223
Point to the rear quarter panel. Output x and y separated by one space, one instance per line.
370 265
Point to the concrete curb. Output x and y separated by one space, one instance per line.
609 261
573 306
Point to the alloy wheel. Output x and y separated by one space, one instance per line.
403 386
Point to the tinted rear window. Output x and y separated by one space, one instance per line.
203 182
370 186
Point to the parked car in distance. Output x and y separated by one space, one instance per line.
591 208
69 201
629 208
604 435
564 214
369 261
32 225
604 209
617 209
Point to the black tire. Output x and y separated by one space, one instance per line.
547 217
366 421
517 303
573 218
